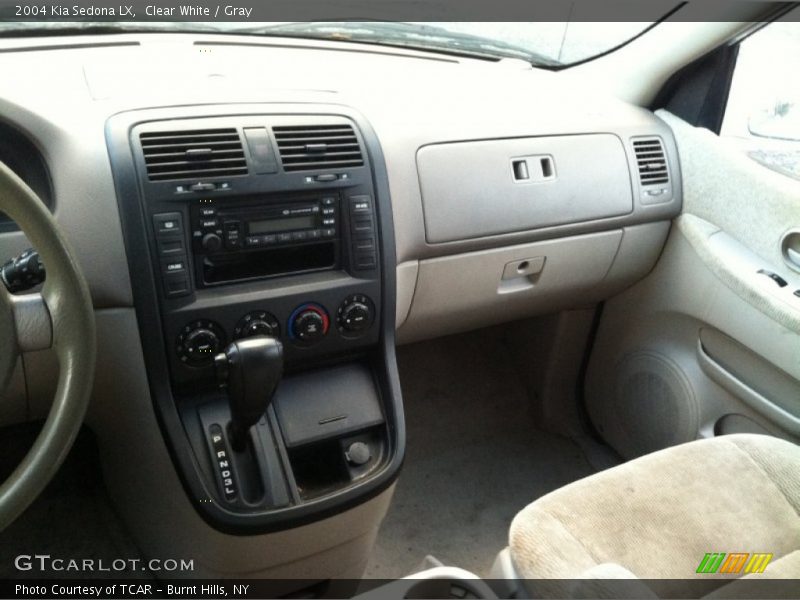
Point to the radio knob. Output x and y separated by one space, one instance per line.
310 324
211 242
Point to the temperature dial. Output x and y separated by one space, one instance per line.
355 315
309 323
258 322
198 342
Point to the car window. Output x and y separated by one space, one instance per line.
763 113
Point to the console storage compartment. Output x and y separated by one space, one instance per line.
332 426
225 268
328 403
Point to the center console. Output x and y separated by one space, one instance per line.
261 251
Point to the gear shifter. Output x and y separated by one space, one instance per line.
251 369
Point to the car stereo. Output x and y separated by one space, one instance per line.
256 237
258 226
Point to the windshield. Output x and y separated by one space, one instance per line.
545 44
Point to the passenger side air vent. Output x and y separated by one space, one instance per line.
193 154
651 161
307 147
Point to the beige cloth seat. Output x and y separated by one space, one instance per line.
656 517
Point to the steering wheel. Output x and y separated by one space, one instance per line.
60 317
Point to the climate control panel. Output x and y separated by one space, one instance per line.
303 327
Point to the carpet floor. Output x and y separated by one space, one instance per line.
71 519
474 457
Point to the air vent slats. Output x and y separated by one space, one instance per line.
194 154
651 161
309 147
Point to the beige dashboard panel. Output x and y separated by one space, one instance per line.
465 291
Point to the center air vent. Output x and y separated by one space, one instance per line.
193 154
651 161
307 147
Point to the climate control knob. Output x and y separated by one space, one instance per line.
198 342
258 322
309 323
355 314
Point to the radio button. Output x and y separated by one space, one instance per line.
168 225
170 247
232 237
176 285
367 243
365 260
174 265
360 205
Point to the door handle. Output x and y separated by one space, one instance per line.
790 248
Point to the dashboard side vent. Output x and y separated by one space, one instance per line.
651 161
193 154
307 147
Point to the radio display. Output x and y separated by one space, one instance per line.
288 224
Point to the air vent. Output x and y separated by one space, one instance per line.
307 147
651 161
193 154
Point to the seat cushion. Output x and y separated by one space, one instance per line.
657 516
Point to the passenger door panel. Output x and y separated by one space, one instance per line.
706 344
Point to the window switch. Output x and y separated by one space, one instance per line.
774 276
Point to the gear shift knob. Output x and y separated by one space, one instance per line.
251 369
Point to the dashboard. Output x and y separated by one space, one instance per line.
340 198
